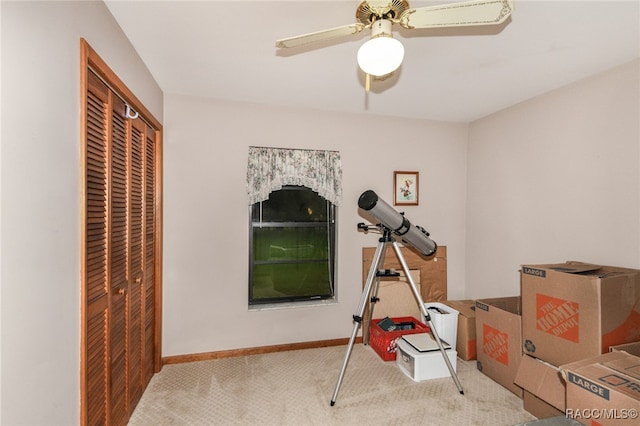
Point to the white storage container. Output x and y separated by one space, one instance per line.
444 319
421 366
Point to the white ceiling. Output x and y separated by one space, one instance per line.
226 50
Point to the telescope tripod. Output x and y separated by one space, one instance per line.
372 284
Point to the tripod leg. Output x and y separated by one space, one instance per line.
374 299
424 311
356 325
357 318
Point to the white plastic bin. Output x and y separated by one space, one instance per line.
445 321
424 365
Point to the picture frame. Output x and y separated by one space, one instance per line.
405 188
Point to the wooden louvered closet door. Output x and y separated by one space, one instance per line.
120 349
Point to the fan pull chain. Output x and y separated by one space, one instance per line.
366 83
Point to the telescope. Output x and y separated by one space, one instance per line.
391 219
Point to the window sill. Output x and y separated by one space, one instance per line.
290 305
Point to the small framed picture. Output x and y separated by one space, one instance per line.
405 188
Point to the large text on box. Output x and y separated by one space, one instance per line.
495 344
558 317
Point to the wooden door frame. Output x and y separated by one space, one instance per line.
89 59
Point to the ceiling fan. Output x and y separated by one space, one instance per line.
382 54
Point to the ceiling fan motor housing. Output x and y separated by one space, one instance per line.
370 11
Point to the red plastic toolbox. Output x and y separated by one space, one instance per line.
384 342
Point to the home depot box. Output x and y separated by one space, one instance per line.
545 386
575 310
604 390
539 408
466 336
499 339
630 348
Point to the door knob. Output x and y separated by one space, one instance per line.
122 291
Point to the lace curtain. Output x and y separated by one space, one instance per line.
269 169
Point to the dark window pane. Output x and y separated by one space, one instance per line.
291 281
292 205
290 243
292 247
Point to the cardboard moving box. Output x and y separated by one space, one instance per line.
499 339
544 382
630 348
539 408
466 336
575 310
605 389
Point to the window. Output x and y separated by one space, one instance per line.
293 194
292 247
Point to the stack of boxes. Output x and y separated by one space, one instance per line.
572 313
547 344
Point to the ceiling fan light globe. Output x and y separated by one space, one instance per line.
380 56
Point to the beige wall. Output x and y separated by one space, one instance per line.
206 213
40 305
554 179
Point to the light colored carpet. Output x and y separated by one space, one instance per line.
295 388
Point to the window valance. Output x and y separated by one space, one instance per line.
269 169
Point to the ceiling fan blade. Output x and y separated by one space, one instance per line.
320 35
470 13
